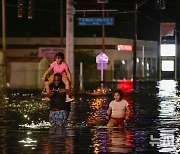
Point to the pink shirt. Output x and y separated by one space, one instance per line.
118 108
61 69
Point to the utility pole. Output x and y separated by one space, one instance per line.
103 27
61 24
69 56
103 31
135 44
136 6
4 70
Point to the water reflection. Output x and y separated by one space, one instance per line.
168 113
120 141
140 140
167 88
113 140
167 139
28 142
98 108
59 141
154 125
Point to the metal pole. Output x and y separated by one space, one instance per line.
4 46
103 31
69 56
175 56
102 76
81 76
135 38
61 24
103 49
143 61
159 56
135 41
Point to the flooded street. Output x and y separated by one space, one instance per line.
153 127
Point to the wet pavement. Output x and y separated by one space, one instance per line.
153 128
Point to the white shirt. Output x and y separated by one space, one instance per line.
118 108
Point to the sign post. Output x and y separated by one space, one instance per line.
102 60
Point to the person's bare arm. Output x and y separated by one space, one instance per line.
44 94
70 92
108 113
46 73
128 113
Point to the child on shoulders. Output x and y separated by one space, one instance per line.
58 66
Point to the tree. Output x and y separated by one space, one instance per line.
87 57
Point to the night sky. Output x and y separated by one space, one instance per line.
46 19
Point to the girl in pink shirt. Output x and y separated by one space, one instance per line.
58 66
117 109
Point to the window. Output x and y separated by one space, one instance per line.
167 65
168 50
120 69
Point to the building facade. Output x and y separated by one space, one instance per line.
118 50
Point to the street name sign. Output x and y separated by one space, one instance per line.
96 21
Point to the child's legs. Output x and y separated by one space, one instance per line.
112 123
51 78
66 82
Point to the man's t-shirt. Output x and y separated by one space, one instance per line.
118 108
58 101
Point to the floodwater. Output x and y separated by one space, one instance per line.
153 128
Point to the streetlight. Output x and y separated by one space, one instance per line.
161 4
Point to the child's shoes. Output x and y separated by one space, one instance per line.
69 99
47 99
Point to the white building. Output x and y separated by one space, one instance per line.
119 51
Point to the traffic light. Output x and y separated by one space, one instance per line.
30 9
20 8
161 4
23 7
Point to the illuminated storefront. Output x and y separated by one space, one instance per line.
168 56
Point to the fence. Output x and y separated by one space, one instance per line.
32 78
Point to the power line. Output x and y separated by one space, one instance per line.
94 11
148 17
161 14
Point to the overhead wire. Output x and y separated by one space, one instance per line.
118 12
165 17
159 13
148 17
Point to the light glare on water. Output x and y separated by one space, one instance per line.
154 124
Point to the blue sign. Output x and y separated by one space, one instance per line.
95 21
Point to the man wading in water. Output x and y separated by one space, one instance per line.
59 108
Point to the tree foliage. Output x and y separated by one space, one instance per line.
87 57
